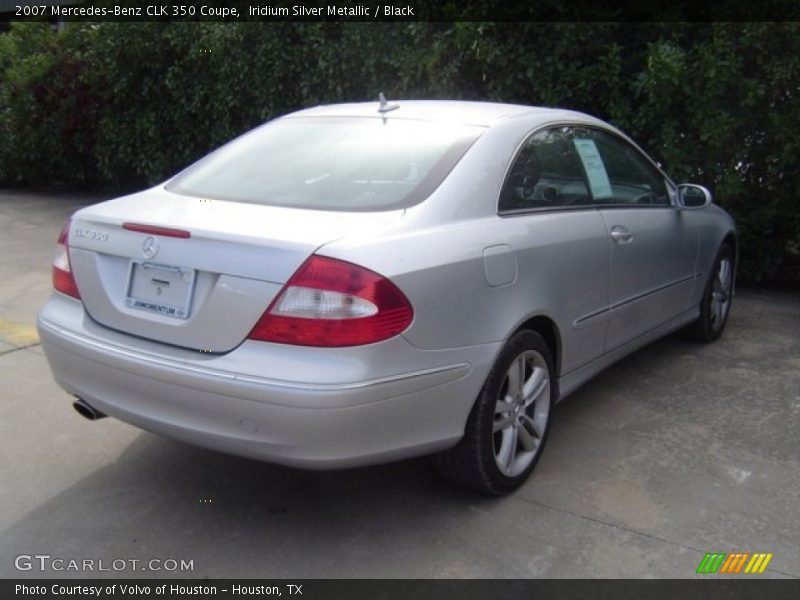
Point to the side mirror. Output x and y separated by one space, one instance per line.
693 196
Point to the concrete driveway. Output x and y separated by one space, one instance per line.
679 450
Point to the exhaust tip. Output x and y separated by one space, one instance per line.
87 411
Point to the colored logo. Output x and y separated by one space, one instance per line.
734 563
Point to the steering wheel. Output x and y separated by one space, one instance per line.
646 198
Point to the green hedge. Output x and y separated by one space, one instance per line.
120 106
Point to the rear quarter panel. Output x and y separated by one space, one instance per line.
562 273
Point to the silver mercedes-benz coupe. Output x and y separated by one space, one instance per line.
361 283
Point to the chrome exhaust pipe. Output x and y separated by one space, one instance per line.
86 411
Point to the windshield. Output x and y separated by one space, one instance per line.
331 163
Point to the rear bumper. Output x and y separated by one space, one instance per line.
305 407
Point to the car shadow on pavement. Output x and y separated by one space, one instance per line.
239 517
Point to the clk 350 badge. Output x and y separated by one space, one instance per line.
91 234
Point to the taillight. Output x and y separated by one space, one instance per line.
329 302
63 280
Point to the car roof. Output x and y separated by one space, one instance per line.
467 112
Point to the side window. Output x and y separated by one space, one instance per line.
625 176
546 173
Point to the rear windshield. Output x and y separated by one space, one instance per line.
347 164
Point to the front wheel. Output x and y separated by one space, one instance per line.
716 304
508 426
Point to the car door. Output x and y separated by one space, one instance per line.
561 243
653 247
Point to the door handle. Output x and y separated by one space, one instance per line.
621 235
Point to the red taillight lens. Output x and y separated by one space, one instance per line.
329 302
156 230
63 280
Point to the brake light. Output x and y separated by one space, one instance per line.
156 230
63 279
330 302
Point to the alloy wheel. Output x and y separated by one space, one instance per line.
721 293
521 411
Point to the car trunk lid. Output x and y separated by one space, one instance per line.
194 272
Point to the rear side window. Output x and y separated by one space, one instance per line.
545 174
331 163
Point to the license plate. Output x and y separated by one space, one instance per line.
160 289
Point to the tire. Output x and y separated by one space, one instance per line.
717 298
509 423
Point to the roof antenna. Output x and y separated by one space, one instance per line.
384 105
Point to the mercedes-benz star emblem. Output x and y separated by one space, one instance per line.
150 247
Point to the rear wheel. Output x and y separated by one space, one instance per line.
510 421
716 304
